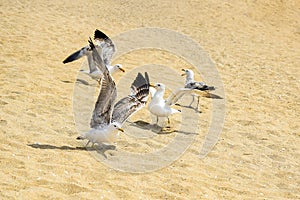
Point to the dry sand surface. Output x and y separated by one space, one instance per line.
255 47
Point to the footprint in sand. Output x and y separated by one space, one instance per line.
2 103
3 122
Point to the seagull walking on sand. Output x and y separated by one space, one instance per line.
108 117
192 84
160 107
105 48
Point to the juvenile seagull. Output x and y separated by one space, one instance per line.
161 107
108 118
106 49
192 84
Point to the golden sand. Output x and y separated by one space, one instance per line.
255 47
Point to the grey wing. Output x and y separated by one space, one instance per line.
140 87
97 59
107 95
107 46
199 86
78 54
85 51
174 97
125 107
92 64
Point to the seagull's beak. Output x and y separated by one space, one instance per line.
120 129
182 74
183 71
123 70
152 85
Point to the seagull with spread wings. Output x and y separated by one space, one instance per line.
194 85
106 49
108 117
160 107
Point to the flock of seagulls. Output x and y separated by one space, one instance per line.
108 116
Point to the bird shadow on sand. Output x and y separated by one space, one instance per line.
208 95
189 107
212 96
66 81
49 146
82 81
156 128
99 148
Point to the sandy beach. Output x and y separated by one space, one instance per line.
253 45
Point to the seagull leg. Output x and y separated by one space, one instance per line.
168 125
198 103
192 101
87 143
156 119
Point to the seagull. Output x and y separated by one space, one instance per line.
107 118
160 107
106 49
192 84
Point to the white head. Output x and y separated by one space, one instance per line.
159 86
189 75
117 67
116 126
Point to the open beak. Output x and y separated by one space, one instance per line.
120 129
152 85
183 71
123 70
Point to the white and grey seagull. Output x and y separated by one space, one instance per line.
160 107
194 85
108 117
106 49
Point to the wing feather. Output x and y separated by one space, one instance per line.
78 54
199 86
85 51
104 106
174 97
107 46
127 106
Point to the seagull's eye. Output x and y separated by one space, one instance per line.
158 85
115 126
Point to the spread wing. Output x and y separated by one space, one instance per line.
84 51
104 105
107 46
127 106
174 97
